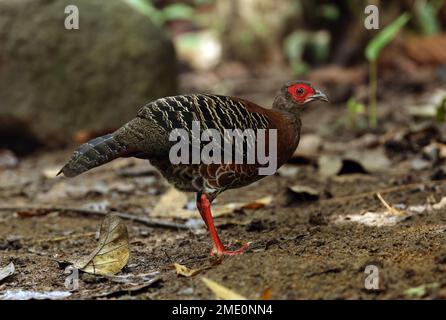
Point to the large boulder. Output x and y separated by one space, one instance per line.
55 82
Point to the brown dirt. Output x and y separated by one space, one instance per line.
297 250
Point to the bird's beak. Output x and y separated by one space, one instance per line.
319 95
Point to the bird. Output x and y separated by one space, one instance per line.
147 136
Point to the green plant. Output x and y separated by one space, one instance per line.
440 112
175 11
426 14
355 109
294 45
372 52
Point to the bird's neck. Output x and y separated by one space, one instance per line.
287 109
287 120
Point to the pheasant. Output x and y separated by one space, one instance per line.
148 137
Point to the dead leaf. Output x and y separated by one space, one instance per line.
266 294
83 136
126 290
222 293
329 165
184 271
134 279
33 295
129 284
259 203
103 206
175 204
8 160
440 205
50 172
138 171
433 49
354 161
79 190
300 193
372 160
112 253
7 271
389 217
309 144
354 178
121 187
32 213
420 164
409 139
372 219
435 151
229 208
288 171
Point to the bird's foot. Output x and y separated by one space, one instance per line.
223 252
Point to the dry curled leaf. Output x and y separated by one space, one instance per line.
300 193
33 212
433 49
391 216
8 160
174 203
232 207
259 203
329 165
112 253
222 293
266 294
184 271
7 271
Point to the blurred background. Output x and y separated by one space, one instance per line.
61 86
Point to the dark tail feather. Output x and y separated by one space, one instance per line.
94 153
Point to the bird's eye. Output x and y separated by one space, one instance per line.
300 91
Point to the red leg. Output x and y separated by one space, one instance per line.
204 207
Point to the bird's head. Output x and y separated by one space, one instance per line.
294 95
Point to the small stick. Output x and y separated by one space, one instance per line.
123 215
383 191
74 236
390 209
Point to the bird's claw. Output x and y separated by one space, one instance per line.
223 252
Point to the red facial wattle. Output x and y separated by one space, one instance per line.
301 92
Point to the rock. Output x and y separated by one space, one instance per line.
257 42
55 82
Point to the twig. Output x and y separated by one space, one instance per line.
383 191
74 236
146 221
389 208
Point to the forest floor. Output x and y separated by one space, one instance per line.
320 226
